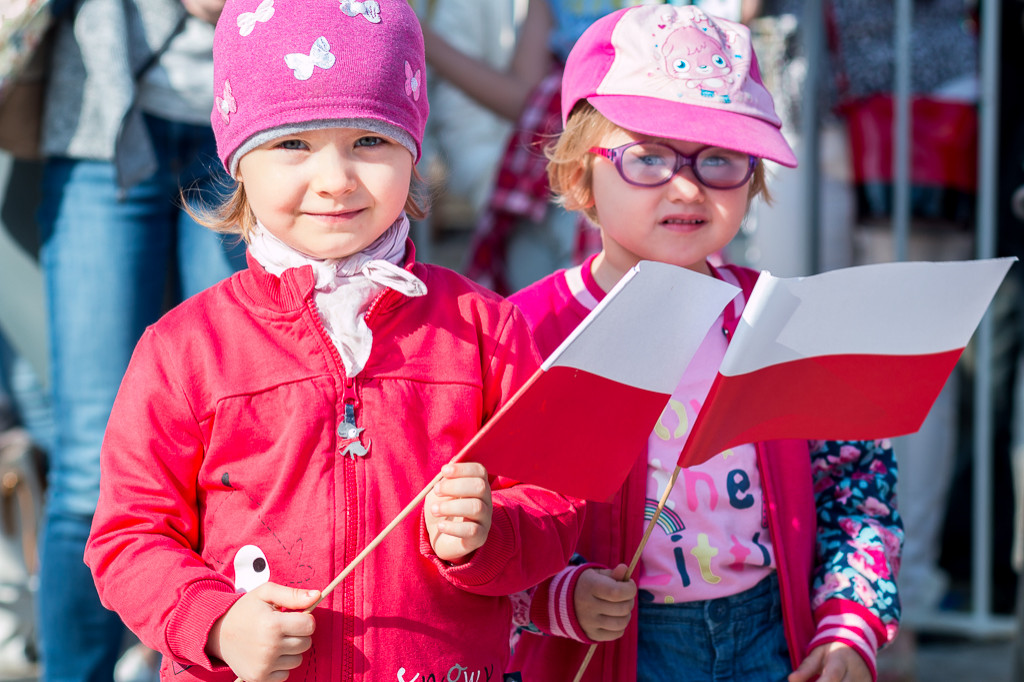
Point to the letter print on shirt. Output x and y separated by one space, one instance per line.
711 541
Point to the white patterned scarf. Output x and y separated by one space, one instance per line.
346 287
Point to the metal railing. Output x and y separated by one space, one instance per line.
980 620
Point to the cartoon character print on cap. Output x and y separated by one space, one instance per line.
369 9
247 20
702 55
685 56
319 55
701 61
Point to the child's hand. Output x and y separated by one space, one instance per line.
458 511
603 602
834 662
263 635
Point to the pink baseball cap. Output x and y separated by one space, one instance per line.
676 72
283 66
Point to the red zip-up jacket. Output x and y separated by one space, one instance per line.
227 461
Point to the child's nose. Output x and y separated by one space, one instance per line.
335 172
685 185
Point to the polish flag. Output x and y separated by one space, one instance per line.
579 423
852 354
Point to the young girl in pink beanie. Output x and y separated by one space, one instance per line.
268 428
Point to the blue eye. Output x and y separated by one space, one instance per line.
370 141
718 61
652 160
714 161
680 66
716 157
291 143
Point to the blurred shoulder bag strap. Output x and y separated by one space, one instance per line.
26 37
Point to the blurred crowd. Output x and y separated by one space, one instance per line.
95 245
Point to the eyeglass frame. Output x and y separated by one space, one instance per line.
615 154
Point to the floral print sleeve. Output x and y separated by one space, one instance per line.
549 608
859 537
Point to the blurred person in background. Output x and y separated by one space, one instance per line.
944 71
126 127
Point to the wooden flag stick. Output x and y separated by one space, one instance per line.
376 541
383 534
636 559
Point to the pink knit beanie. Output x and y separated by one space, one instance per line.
283 66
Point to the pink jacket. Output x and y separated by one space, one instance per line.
227 462
798 491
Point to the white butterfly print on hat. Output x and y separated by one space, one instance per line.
369 9
247 20
226 104
412 82
319 55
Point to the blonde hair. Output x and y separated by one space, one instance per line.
570 167
233 215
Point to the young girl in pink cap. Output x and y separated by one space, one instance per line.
268 428
773 560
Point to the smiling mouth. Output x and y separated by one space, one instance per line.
336 215
683 221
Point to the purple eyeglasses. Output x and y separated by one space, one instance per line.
650 164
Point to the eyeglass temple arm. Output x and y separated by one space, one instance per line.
610 154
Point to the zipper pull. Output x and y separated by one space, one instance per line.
348 430
350 420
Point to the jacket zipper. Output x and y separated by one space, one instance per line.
348 429
350 401
344 599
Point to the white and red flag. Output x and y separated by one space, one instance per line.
857 353
579 423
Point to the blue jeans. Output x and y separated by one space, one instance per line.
28 399
738 638
107 257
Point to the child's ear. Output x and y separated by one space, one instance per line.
580 195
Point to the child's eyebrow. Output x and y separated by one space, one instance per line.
670 142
